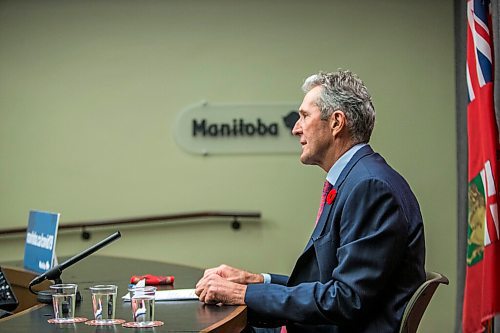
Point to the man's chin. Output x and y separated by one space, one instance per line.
305 160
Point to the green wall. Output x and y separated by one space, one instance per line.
90 90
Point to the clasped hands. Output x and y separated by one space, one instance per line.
225 285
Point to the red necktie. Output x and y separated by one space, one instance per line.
326 188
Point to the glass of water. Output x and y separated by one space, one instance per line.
142 300
104 303
63 300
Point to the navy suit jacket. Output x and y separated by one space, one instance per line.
362 263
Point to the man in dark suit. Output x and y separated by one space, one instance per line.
366 255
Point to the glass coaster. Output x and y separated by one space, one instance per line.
105 323
134 324
67 321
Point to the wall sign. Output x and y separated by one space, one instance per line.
236 128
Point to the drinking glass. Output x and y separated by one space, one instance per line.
63 300
142 300
104 303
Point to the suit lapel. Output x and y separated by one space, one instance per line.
320 225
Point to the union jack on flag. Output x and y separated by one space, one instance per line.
479 55
482 293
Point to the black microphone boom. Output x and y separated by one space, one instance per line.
55 273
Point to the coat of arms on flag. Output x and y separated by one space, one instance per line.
476 218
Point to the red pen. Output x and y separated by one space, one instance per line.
153 279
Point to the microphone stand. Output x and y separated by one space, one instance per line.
45 296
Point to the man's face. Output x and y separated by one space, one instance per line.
315 134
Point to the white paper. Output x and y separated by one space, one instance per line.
170 295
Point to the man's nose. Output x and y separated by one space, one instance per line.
296 130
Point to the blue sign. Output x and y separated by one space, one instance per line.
39 251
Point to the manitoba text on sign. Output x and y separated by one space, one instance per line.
237 128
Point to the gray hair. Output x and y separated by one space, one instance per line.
344 91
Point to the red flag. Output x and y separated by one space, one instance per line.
481 294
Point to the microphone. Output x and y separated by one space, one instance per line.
55 273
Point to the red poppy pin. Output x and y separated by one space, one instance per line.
331 196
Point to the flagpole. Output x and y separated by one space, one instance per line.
490 325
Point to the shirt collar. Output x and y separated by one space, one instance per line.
340 164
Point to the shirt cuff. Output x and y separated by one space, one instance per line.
267 277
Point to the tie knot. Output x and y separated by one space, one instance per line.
326 188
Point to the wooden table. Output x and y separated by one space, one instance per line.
185 316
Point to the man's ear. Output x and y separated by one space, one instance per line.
337 121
